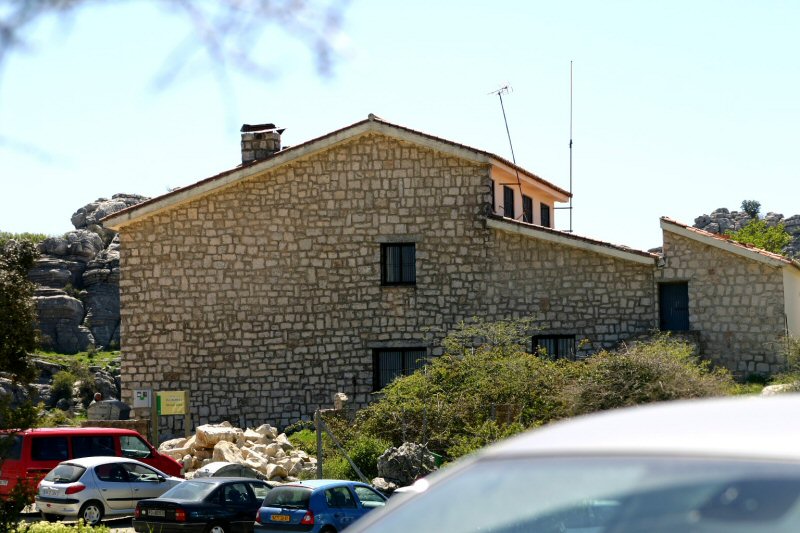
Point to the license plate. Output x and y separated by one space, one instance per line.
155 512
3 482
49 492
280 518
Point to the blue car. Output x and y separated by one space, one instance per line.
316 506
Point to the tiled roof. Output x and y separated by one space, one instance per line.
577 240
723 240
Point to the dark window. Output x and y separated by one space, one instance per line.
673 306
340 498
285 496
494 202
389 363
49 449
92 446
12 446
545 212
508 202
555 346
398 264
527 209
111 473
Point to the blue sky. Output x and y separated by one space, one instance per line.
679 107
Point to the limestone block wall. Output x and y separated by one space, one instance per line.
599 299
736 304
265 299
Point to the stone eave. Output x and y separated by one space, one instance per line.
710 239
372 125
573 241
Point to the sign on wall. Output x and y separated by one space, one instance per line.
142 398
172 402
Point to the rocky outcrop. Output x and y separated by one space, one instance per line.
261 448
722 220
77 276
403 465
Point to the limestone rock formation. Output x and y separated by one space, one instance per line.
261 448
77 276
404 465
722 220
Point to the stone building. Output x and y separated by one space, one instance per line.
340 263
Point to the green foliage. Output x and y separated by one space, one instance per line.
11 507
58 527
757 233
486 387
61 387
364 451
17 328
34 238
662 369
751 207
336 467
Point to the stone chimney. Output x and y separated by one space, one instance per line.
259 141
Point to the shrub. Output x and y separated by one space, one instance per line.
58 527
662 369
61 388
364 451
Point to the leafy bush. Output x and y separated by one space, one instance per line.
751 207
58 527
364 451
760 235
658 370
35 238
61 388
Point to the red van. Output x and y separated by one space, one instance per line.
34 452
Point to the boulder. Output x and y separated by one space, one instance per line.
405 464
267 431
227 451
209 435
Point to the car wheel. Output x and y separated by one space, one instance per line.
217 528
51 517
328 530
91 512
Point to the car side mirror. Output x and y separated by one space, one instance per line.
161 479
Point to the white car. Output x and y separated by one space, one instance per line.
706 466
92 488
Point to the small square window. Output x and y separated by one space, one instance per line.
555 346
390 363
398 264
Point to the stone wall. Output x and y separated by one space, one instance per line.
599 299
736 304
264 299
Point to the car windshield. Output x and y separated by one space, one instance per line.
189 490
65 473
606 495
288 497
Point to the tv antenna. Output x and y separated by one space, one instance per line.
507 89
570 151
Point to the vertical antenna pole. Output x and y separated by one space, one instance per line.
500 92
570 146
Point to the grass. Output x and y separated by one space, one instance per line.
88 358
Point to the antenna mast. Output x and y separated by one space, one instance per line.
570 146
506 89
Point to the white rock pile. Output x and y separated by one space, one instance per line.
262 449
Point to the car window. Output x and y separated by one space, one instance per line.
369 498
235 493
90 446
11 447
65 473
190 490
260 490
289 497
340 498
49 449
111 473
134 447
141 473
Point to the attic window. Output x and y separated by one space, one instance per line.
508 202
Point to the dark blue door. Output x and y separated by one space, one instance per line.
673 306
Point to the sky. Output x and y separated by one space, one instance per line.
678 108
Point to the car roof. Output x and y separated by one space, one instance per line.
321 483
226 479
100 460
745 427
79 431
